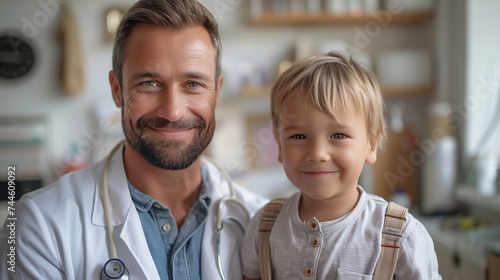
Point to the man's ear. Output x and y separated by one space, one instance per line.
371 157
219 87
115 89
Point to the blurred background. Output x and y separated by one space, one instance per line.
438 63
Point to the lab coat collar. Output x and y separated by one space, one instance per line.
229 248
131 245
214 180
120 201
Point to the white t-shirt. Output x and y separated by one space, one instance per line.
348 247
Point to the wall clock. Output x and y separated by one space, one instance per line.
16 57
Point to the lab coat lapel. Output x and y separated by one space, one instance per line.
119 196
131 243
219 188
135 249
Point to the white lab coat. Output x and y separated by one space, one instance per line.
61 234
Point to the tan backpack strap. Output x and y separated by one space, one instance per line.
395 219
269 215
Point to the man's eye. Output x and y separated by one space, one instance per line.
338 136
193 84
298 136
149 83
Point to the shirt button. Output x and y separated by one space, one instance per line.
315 242
157 206
166 227
308 271
314 225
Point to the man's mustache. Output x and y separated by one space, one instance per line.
182 123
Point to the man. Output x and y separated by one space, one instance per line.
163 197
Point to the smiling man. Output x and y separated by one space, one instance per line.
163 197
168 92
169 95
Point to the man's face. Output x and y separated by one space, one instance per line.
168 94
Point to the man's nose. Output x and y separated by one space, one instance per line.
172 105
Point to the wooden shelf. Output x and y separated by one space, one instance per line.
416 91
264 91
325 18
256 91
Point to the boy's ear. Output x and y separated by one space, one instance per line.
277 138
371 157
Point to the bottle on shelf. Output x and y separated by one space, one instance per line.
440 166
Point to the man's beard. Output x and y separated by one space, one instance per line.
168 154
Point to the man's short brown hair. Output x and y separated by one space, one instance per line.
174 14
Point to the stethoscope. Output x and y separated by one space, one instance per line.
115 268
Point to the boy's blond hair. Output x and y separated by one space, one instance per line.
326 80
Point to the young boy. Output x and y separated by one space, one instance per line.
327 114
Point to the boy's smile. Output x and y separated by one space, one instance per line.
323 156
320 173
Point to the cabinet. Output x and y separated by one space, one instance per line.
458 257
455 265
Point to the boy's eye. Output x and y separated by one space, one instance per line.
338 136
298 136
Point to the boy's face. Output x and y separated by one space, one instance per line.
323 158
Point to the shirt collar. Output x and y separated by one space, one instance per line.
144 202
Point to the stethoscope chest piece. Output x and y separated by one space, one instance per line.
114 269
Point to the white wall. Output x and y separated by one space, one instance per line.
482 76
72 117
38 93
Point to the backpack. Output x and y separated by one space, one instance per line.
395 218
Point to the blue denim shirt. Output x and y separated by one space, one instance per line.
177 255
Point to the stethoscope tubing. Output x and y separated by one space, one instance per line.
107 209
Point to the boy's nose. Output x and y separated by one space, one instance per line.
317 153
